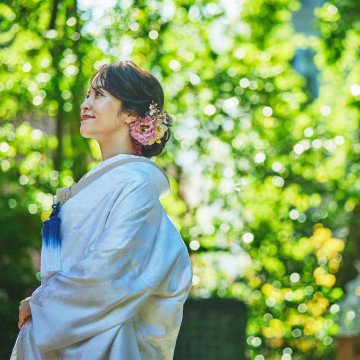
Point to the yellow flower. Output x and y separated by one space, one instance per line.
159 134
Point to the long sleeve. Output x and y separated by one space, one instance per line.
107 287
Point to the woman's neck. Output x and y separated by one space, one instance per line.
116 146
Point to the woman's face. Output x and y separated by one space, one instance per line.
100 116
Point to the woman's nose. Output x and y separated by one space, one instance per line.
85 105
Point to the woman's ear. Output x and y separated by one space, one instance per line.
129 118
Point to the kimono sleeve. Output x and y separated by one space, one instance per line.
109 285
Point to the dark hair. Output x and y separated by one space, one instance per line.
136 88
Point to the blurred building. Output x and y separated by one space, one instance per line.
303 61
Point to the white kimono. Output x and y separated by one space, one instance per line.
125 274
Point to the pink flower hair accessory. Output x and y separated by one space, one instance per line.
151 128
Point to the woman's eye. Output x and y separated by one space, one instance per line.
96 94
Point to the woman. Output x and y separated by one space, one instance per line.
124 270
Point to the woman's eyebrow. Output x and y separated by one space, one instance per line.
96 88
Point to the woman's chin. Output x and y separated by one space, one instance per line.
84 133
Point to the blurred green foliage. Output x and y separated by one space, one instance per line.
265 187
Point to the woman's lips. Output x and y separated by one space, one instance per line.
86 117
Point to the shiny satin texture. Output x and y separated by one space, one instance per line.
125 275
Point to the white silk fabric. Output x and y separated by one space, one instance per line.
125 274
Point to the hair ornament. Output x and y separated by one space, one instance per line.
151 128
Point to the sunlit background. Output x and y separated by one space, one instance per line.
264 161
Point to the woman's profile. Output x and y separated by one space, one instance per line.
123 272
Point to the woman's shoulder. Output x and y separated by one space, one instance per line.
142 173
132 172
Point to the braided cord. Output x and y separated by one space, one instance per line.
136 146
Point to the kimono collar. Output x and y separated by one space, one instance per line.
160 180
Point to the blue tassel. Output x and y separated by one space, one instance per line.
51 228
51 245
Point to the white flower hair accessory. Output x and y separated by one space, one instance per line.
151 128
